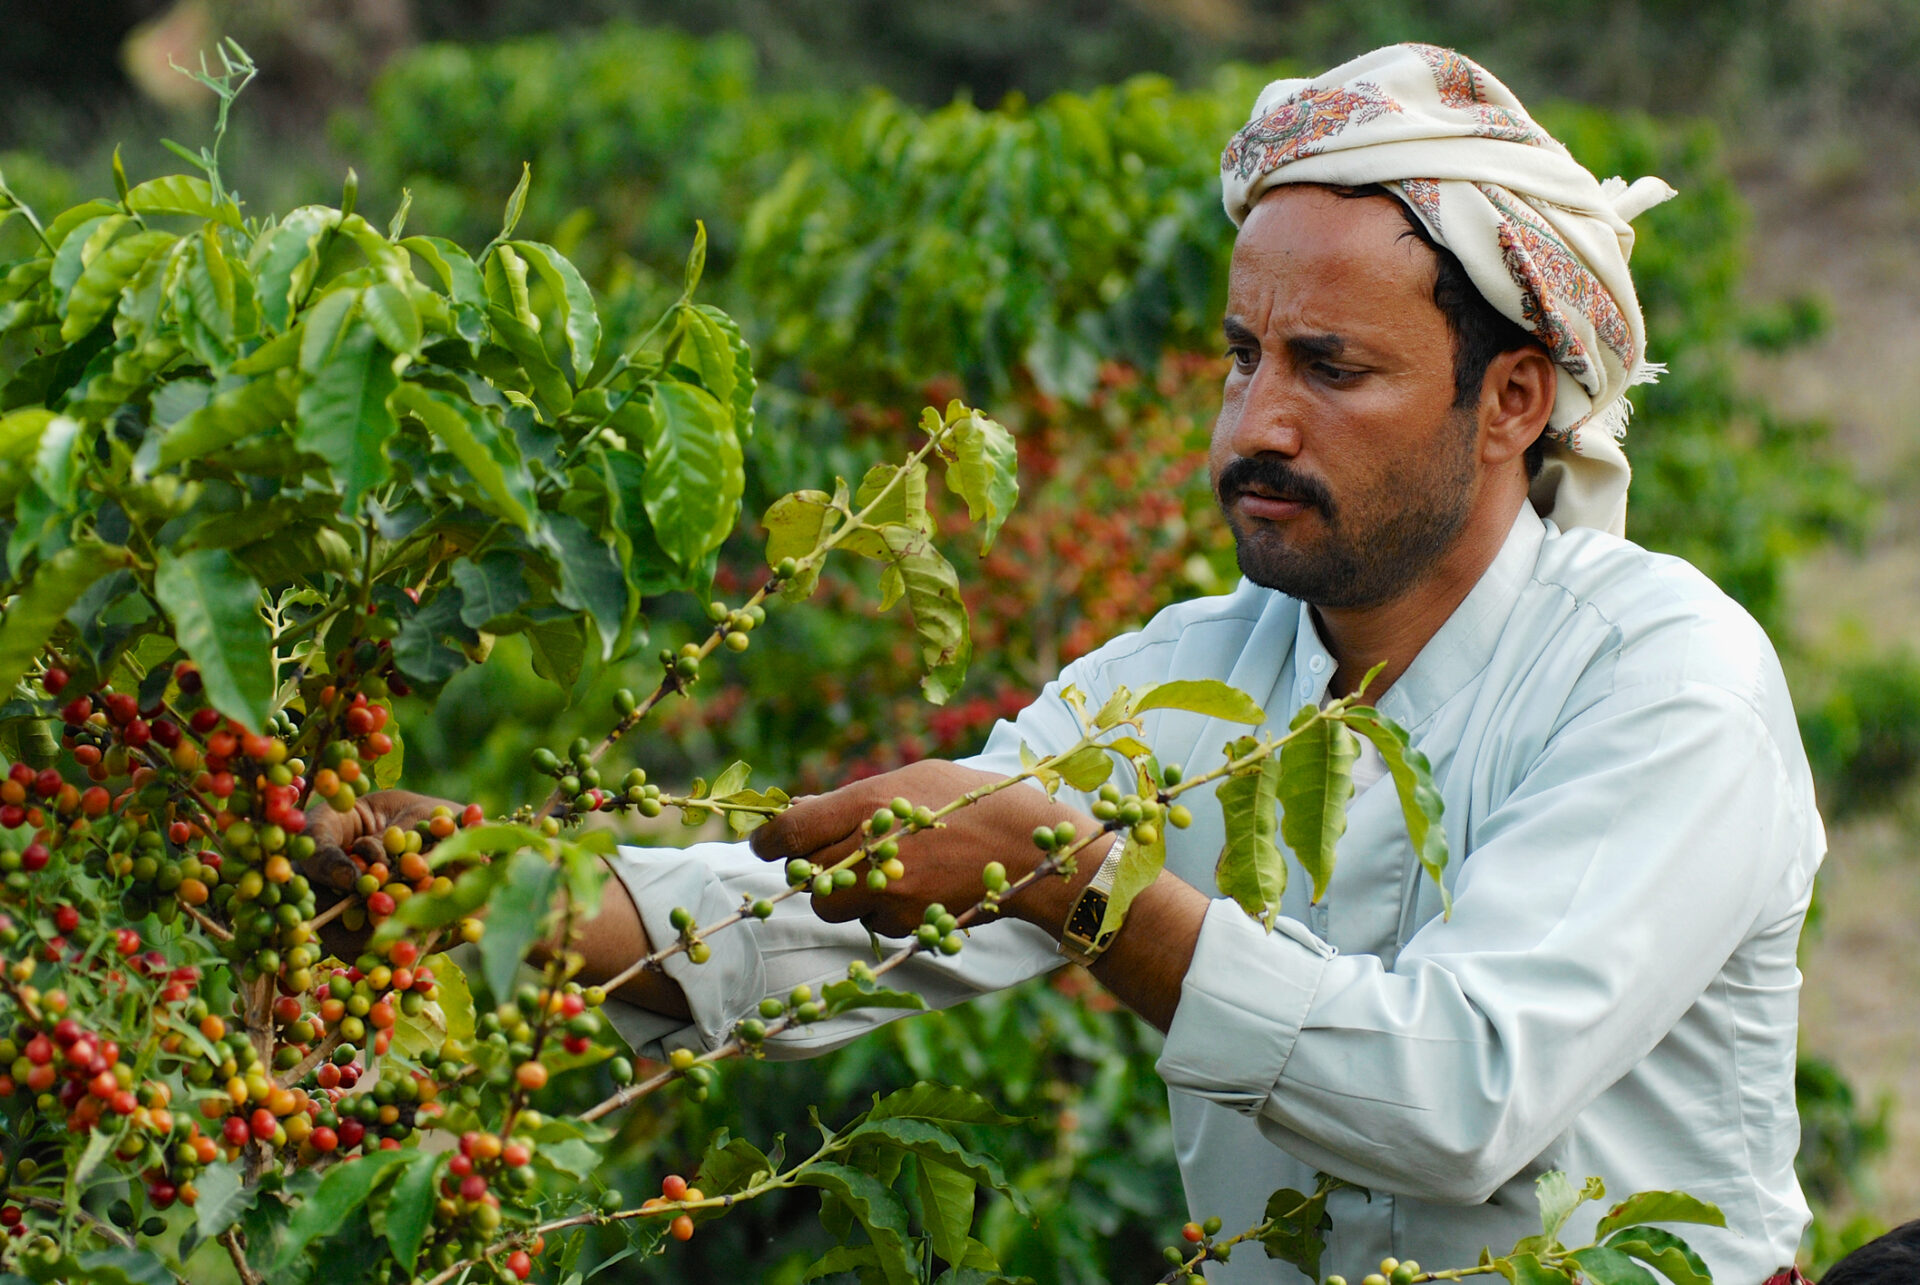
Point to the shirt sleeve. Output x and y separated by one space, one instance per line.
757 958
1599 902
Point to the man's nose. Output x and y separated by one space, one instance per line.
1270 416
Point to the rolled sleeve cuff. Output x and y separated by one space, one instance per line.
719 992
1242 1004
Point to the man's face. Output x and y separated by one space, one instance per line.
1339 459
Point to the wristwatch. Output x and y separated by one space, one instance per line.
1080 937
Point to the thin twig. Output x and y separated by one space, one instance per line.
213 929
47 1206
231 1239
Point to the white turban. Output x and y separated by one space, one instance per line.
1543 240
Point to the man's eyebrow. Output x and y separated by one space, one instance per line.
1316 346
1310 347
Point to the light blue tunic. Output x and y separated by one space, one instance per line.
1635 840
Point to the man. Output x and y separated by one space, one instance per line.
1425 288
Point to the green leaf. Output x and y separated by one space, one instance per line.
490 588
1664 1250
458 276
590 577
395 321
82 244
90 1158
322 326
36 611
286 260
419 650
122 1267
939 613
1611 1267
515 915
851 993
181 194
1251 869
946 1202
1087 768
796 524
985 470
559 647
486 453
1140 865
1298 1233
98 289
236 413
516 203
340 1194
1207 696
215 610
343 414
738 379
898 493
210 285
223 1199
729 1165
733 778
878 1211
931 1142
842 1259
1526 1269
925 1100
1559 1198
696 261
695 473
579 319
1316 782
1660 1207
1420 801
410 1208
549 386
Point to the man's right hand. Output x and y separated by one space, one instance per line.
609 942
338 837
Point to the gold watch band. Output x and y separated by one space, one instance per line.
1080 937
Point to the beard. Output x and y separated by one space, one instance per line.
1375 544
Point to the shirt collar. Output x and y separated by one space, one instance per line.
1458 651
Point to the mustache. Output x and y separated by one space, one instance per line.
1275 478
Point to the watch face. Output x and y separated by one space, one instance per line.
1088 911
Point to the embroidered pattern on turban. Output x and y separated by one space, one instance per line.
1541 238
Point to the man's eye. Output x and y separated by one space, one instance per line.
1336 374
1244 358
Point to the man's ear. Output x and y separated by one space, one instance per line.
1516 399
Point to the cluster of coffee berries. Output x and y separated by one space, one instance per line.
76 1071
1202 1234
468 1213
1393 1271
511 1039
1055 838
735 624
676 1193
579 783
1140 815
682 922
883 852
939 931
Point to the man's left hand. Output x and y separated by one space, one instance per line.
943 864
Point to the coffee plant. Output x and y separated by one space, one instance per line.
267 474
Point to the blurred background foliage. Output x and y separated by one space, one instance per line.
1058 257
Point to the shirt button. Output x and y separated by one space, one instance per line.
1318 664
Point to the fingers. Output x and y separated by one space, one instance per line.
807 827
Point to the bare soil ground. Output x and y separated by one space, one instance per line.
1843 219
